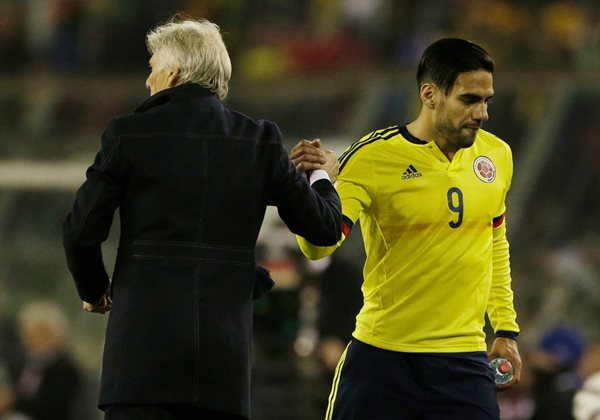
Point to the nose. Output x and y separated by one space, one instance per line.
148 83
480 112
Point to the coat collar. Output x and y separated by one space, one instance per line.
167 95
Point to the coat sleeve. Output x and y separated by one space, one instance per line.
88 224
314 212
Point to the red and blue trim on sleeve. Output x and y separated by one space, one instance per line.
497 221
346 226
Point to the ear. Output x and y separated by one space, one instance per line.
173 77
427 92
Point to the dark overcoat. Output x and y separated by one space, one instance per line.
191 180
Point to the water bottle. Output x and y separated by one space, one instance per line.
503 370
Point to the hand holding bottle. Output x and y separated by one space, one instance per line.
503 370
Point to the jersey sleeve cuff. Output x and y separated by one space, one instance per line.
508 334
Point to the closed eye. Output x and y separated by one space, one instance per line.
469 99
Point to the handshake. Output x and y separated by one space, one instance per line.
308 156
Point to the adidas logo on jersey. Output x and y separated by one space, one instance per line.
411 172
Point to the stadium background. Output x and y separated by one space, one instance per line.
333 69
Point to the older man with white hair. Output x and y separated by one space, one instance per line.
192 180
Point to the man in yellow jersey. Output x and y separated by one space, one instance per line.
430 197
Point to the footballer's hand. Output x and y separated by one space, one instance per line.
101 306
507 348
307 156
332 166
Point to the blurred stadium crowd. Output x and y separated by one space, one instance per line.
334 69
274 37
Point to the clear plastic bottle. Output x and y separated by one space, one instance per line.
503 370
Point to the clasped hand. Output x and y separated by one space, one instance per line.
308 156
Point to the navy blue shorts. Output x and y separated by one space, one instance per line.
375 384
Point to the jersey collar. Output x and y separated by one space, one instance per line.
406 134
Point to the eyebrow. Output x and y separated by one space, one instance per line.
474 97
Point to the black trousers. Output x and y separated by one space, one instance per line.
164 412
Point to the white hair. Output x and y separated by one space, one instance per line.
197 49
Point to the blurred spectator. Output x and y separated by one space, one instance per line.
498 24
555 378
564 26
340 282
66 48
276 314
360 15
53 35
11 35
6 392
586 405
39 28
311 51
7 398
10 347
264 57
330 299
517 403
48 385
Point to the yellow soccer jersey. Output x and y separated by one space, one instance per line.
435 240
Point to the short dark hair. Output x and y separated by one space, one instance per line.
444 60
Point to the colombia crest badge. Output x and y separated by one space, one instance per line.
484 169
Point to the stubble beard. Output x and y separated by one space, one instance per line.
456 136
